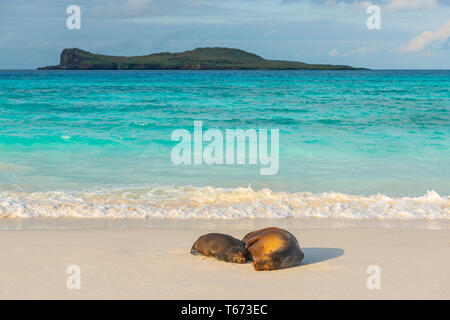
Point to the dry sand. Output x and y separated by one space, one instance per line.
154 263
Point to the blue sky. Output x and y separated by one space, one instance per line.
415 34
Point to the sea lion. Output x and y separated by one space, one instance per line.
220 246
273 248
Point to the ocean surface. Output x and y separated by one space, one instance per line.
352 144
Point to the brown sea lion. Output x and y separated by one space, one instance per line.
220 246
273 248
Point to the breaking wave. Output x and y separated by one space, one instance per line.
218 203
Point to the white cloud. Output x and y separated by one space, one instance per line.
362 50
333 52
365 49
153 8
270 33
429 39
390 5
128 8
357 4
411 5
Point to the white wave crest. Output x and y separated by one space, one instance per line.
219 203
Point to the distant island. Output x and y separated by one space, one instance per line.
197 59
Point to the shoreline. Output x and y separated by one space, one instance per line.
155 263
64 223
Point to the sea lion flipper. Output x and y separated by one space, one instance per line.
251 240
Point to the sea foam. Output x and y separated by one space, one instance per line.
218 203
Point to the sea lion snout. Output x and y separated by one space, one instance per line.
240 260
239 254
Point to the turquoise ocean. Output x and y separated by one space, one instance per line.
353 144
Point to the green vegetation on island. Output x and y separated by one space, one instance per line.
198 59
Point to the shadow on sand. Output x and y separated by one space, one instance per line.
314 255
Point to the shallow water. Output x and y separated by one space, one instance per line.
365 144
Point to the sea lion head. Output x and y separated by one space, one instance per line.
238 255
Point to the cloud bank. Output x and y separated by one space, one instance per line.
430 39
390 5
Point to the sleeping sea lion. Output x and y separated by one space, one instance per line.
273 248
220 246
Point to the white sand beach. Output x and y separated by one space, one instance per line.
155 263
